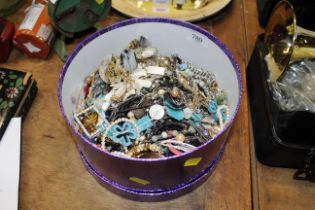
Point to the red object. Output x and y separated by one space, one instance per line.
172 149
6 36
35 35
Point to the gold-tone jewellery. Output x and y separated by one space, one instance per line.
144 105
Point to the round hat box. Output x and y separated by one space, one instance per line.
163 178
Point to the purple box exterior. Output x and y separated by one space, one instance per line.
152 179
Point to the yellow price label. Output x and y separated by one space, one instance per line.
99 1
139 181
192 162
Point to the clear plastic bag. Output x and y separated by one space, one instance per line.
296 90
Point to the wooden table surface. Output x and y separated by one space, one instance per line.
54 177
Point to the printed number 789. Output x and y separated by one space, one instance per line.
197 38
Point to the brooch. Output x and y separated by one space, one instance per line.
122 131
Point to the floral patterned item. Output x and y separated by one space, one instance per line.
14 85
91 121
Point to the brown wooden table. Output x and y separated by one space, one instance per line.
54 177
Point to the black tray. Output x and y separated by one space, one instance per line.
17 92
283 139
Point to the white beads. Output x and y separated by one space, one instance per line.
164 135
187 113
157 112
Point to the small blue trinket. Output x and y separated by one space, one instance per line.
183 66
215 116
224 117
189 72
212 107
123 133
144 123
223 114
102 127
168 104
197 117
175 114
191 122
